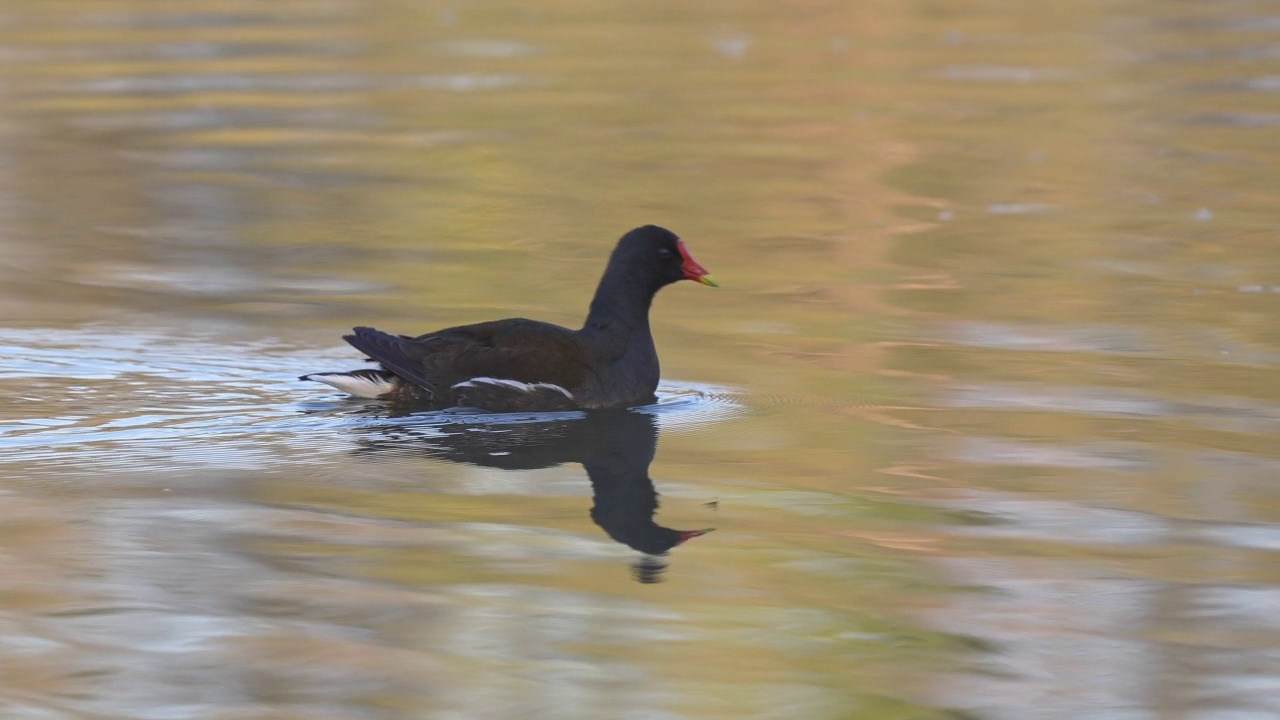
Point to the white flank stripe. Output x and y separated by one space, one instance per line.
514 385
358 385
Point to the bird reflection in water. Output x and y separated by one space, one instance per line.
615 447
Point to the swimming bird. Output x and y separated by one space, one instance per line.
520 365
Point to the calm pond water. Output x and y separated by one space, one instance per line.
984 414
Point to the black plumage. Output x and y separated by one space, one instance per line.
526 365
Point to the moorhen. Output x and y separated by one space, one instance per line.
520 365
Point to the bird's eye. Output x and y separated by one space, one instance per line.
664 253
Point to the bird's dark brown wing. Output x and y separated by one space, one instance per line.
523 350
399 354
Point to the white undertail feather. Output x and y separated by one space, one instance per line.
514 385
360 384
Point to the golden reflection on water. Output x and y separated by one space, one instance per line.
991 429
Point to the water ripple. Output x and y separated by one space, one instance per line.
115 400
295 83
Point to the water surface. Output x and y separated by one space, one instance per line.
983 414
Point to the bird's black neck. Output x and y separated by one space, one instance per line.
621 304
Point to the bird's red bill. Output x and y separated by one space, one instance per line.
692 270
687 535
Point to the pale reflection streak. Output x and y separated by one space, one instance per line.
1193 343
167 609
1069 638
170 85
191 606
990 451
1231 414
1061 638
